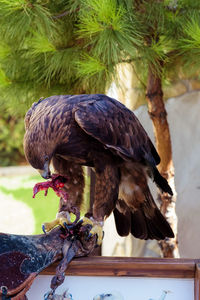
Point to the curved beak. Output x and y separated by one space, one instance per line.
45 173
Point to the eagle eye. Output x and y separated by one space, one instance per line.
46 158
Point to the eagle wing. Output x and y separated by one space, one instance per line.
115 126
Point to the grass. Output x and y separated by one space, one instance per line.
44 209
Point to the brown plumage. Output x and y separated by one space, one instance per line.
99 132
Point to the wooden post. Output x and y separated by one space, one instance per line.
197 282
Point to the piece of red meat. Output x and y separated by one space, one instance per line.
56 183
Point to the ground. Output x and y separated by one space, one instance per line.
19 212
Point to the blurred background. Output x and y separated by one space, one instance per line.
74 47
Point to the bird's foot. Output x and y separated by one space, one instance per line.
97 228
63 218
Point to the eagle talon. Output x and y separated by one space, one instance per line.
49 295
88 237
43 229
63 219
66 226
70 226
95 230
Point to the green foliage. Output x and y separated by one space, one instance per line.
41 44
109 38
4 81
90 66
149 33
189 45
21 18
74 46
29 58
11 137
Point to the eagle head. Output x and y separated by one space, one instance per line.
39 153
45 171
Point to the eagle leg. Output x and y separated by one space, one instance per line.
97 228
106 194
62 218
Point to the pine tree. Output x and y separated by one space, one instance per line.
74 46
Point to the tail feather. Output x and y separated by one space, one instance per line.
158 227
142 226
161 182
122 222
146 222
162 225
139 227
150 228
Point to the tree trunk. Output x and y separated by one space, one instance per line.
158 116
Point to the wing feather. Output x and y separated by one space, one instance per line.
115 126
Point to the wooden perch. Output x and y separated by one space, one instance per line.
22 258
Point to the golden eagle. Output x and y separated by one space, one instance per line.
72 131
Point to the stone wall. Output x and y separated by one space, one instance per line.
131 92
